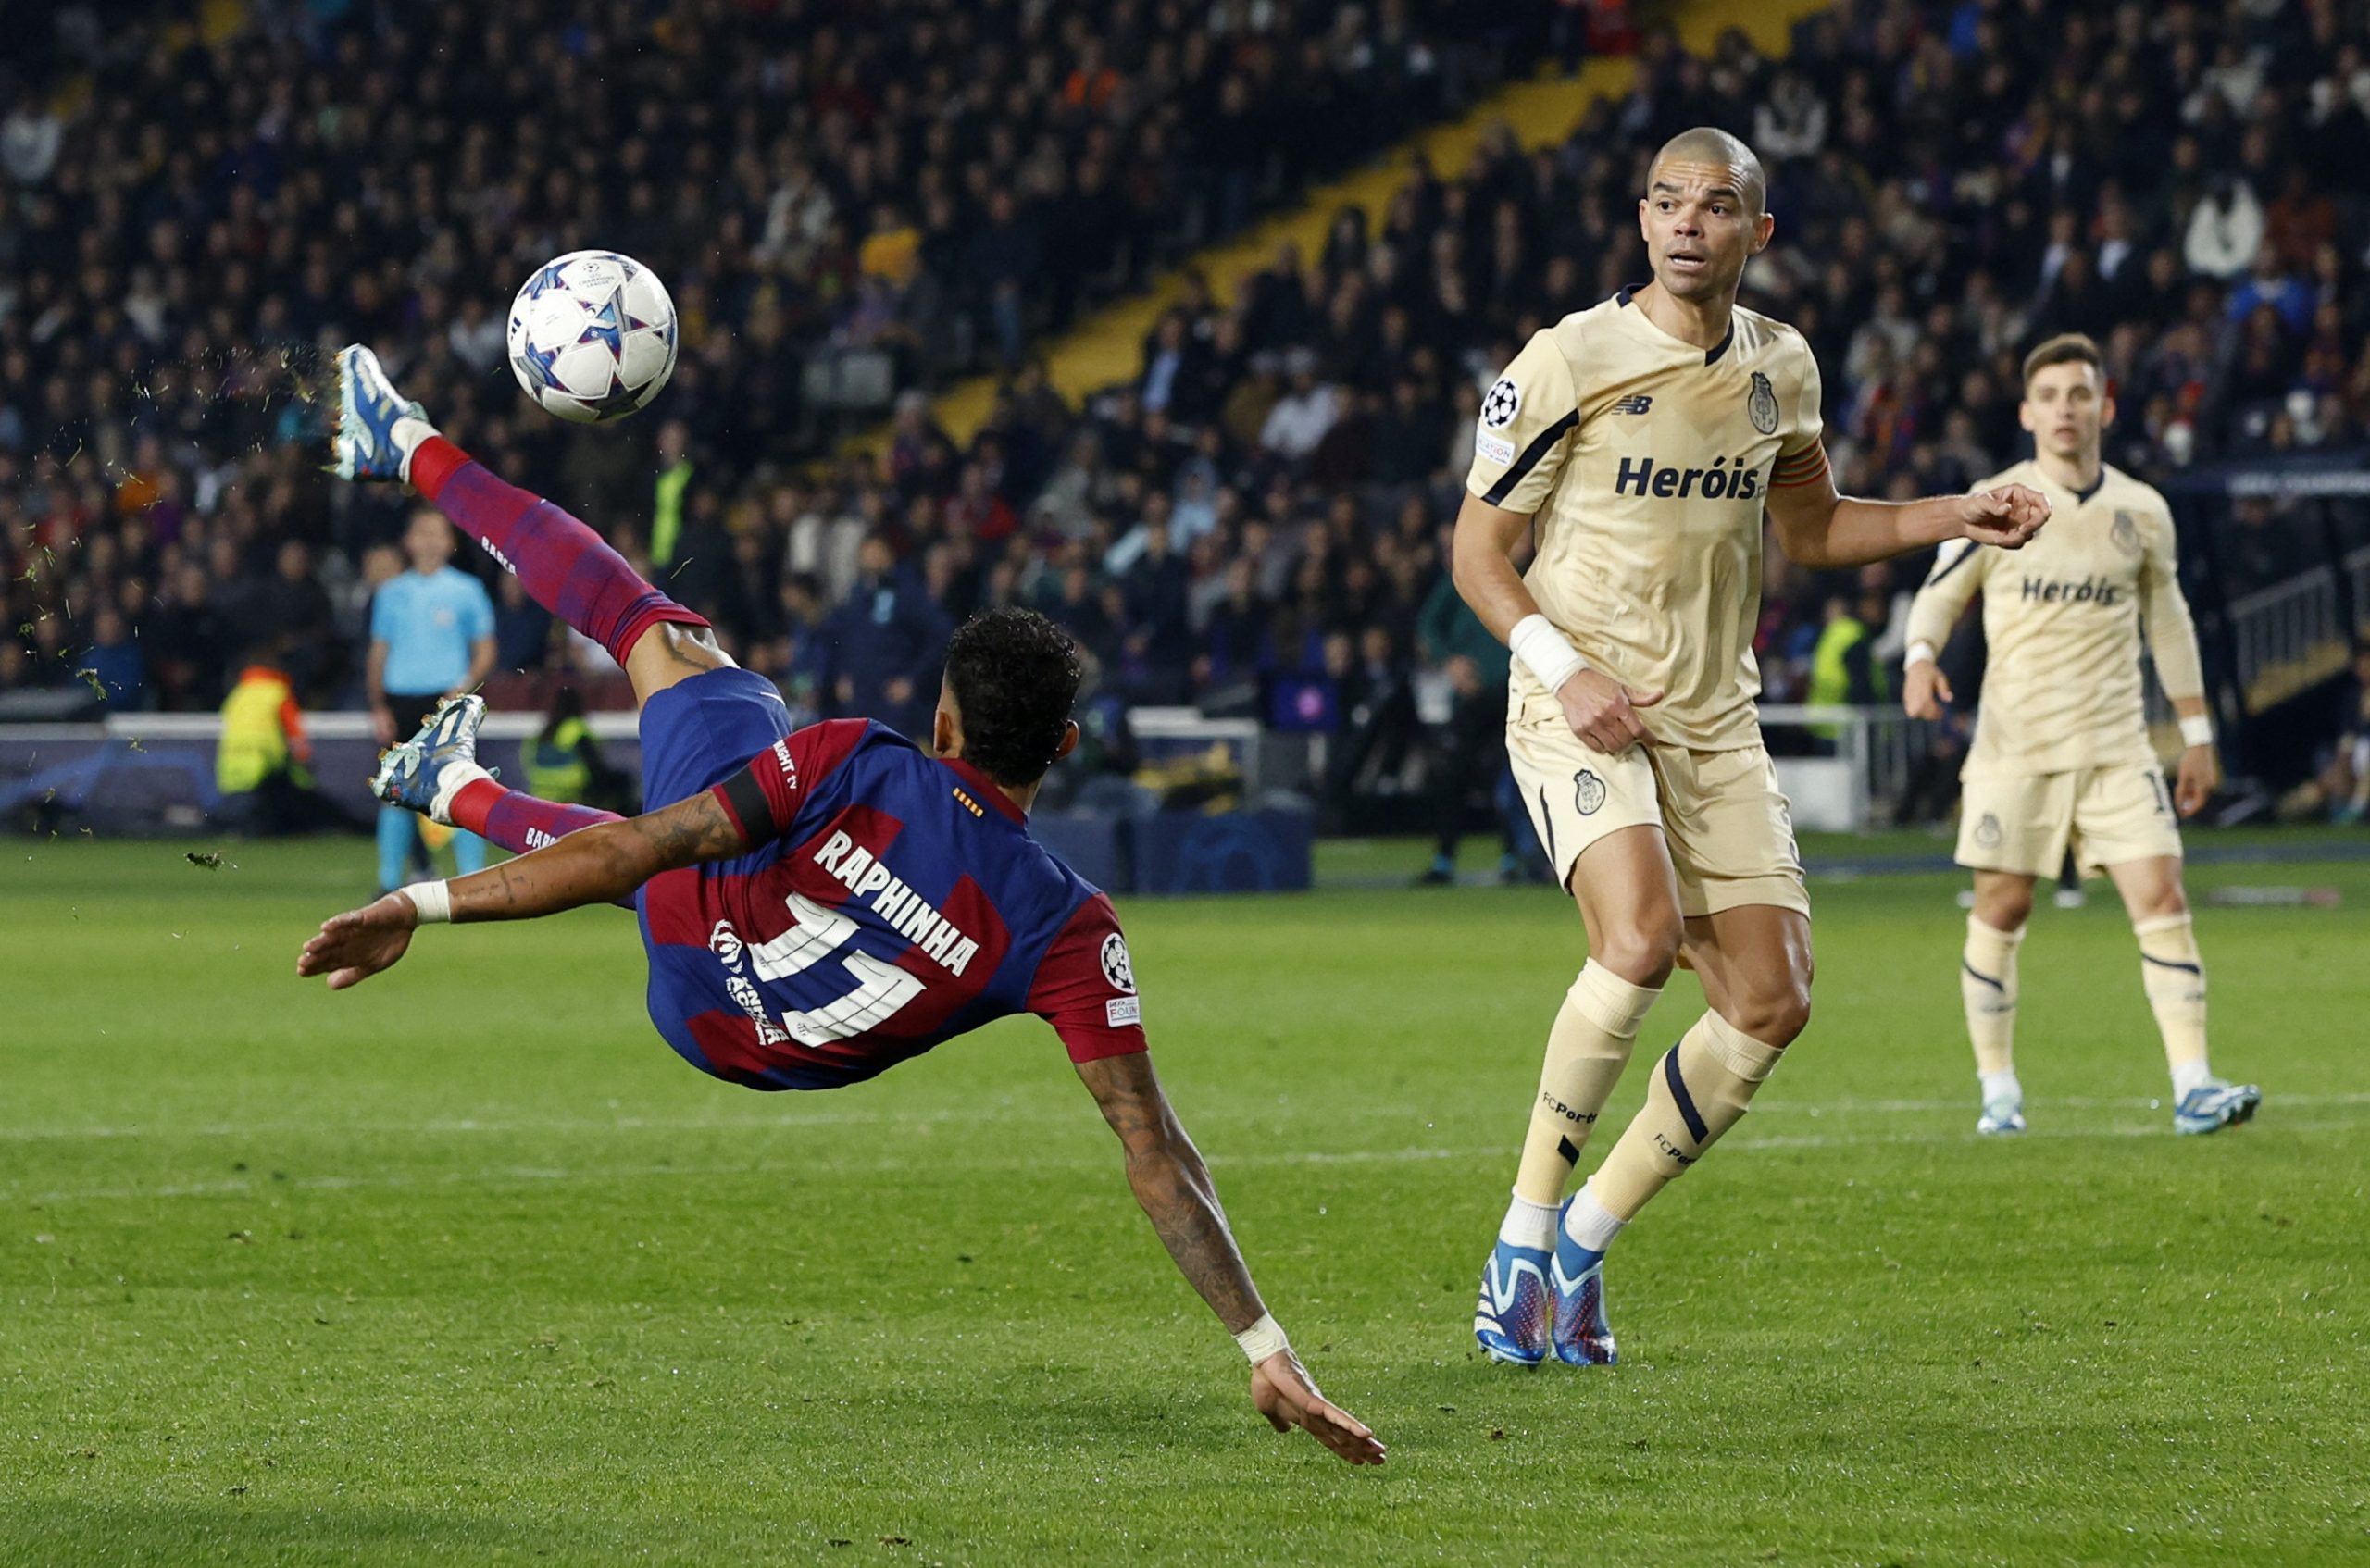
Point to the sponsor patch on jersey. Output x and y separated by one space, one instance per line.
1588 792
1501 404
725 942
1761 404
789 769
1115 968
1123 1010
2125 534
1497 449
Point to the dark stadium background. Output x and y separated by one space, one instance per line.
1070 305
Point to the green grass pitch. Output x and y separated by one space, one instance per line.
466 1267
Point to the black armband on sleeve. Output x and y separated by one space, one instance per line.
746 799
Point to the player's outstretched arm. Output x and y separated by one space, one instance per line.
596 864
1174 1187
1820 528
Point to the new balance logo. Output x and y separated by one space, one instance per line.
1636 403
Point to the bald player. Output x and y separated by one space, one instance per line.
1641 441
2060 755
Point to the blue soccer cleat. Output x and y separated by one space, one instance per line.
1516 1312
427 771
377 428
2004 1115
1582 1336
2212 1105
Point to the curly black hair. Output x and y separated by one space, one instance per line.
1015 676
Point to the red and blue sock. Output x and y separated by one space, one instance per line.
516 822
564 565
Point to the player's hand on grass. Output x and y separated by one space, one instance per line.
2200 775
351 947
2007 516
1287 1396
1924 690
1603 712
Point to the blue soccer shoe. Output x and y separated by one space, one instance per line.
428 770
377 428
2004 1115
2214 1105
1582 1336
1516 1312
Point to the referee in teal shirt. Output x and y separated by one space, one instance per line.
432 635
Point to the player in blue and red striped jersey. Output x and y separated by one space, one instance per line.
818 905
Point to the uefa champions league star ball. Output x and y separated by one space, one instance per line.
592 336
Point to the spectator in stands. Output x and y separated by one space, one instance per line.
1469 753
886 641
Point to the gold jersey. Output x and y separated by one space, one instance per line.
1644 463
2064 618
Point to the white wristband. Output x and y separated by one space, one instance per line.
1545 651
1920 653
433 900
2197 730
1263 1339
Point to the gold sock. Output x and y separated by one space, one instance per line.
2175 978
1987 986
1585 1050
1699 1091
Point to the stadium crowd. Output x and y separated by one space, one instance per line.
1266 501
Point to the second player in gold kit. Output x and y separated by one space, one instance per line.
2062 757
1641 443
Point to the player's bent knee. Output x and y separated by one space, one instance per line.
669 653
1643 952
1775 1015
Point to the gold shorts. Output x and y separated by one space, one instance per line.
1728 828
2107 815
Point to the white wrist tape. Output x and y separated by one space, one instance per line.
434 900
2197 730
1263 1339
1920 653
1545 651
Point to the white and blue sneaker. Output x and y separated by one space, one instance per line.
428 770
2212 1105
1517 1307
1582 1336
2004 1115
377 428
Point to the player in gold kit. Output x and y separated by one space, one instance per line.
1641 441
2060 753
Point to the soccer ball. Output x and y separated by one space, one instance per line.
592 336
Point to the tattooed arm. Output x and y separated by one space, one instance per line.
1174 1187
592 866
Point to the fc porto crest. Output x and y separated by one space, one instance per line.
1761 404
2125 534
1987 832
1588 792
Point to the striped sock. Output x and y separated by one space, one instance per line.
1987 988
564 565
2174 976
1699 1091
516 822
